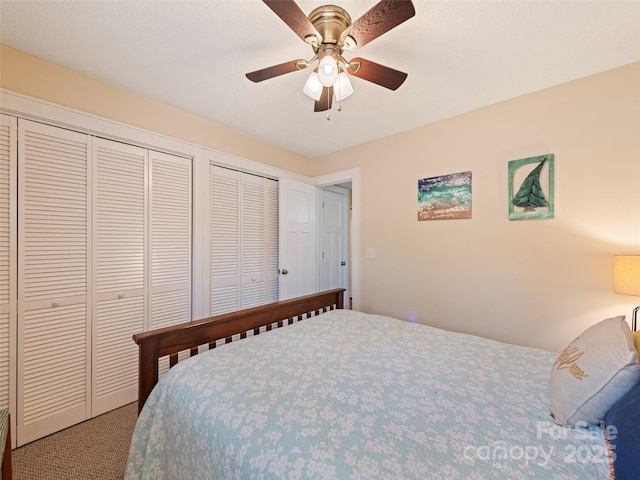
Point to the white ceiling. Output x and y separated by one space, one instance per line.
460 55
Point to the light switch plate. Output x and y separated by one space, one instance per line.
371 252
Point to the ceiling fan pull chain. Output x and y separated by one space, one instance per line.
329 104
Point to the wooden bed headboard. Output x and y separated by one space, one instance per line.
189 336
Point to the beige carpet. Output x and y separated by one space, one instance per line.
93 450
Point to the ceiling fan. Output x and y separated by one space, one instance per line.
329 31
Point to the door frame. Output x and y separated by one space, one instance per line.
352 176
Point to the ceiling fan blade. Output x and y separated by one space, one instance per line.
381 18
292 15
276 70
326 99
376 73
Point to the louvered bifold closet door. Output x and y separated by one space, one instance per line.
244 240
254 240
119 268
259 254
170 248
272 241
53 272
8 182
225 240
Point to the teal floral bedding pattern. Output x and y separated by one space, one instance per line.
347 395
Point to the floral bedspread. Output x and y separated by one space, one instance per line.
347 395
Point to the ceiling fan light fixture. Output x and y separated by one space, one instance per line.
313 87
328 71
343 87
329 31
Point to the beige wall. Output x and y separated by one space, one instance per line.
37 78
534 282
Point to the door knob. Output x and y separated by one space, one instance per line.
284 271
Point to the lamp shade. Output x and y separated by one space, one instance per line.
313 87
343 88
328 71
626 274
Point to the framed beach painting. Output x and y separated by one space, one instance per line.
445 197
531 187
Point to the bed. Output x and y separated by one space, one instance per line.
339 394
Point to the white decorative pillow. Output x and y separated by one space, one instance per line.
593 372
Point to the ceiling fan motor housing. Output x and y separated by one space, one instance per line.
330 21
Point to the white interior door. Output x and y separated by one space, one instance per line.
297 243
334 238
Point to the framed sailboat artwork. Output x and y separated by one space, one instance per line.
531 187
